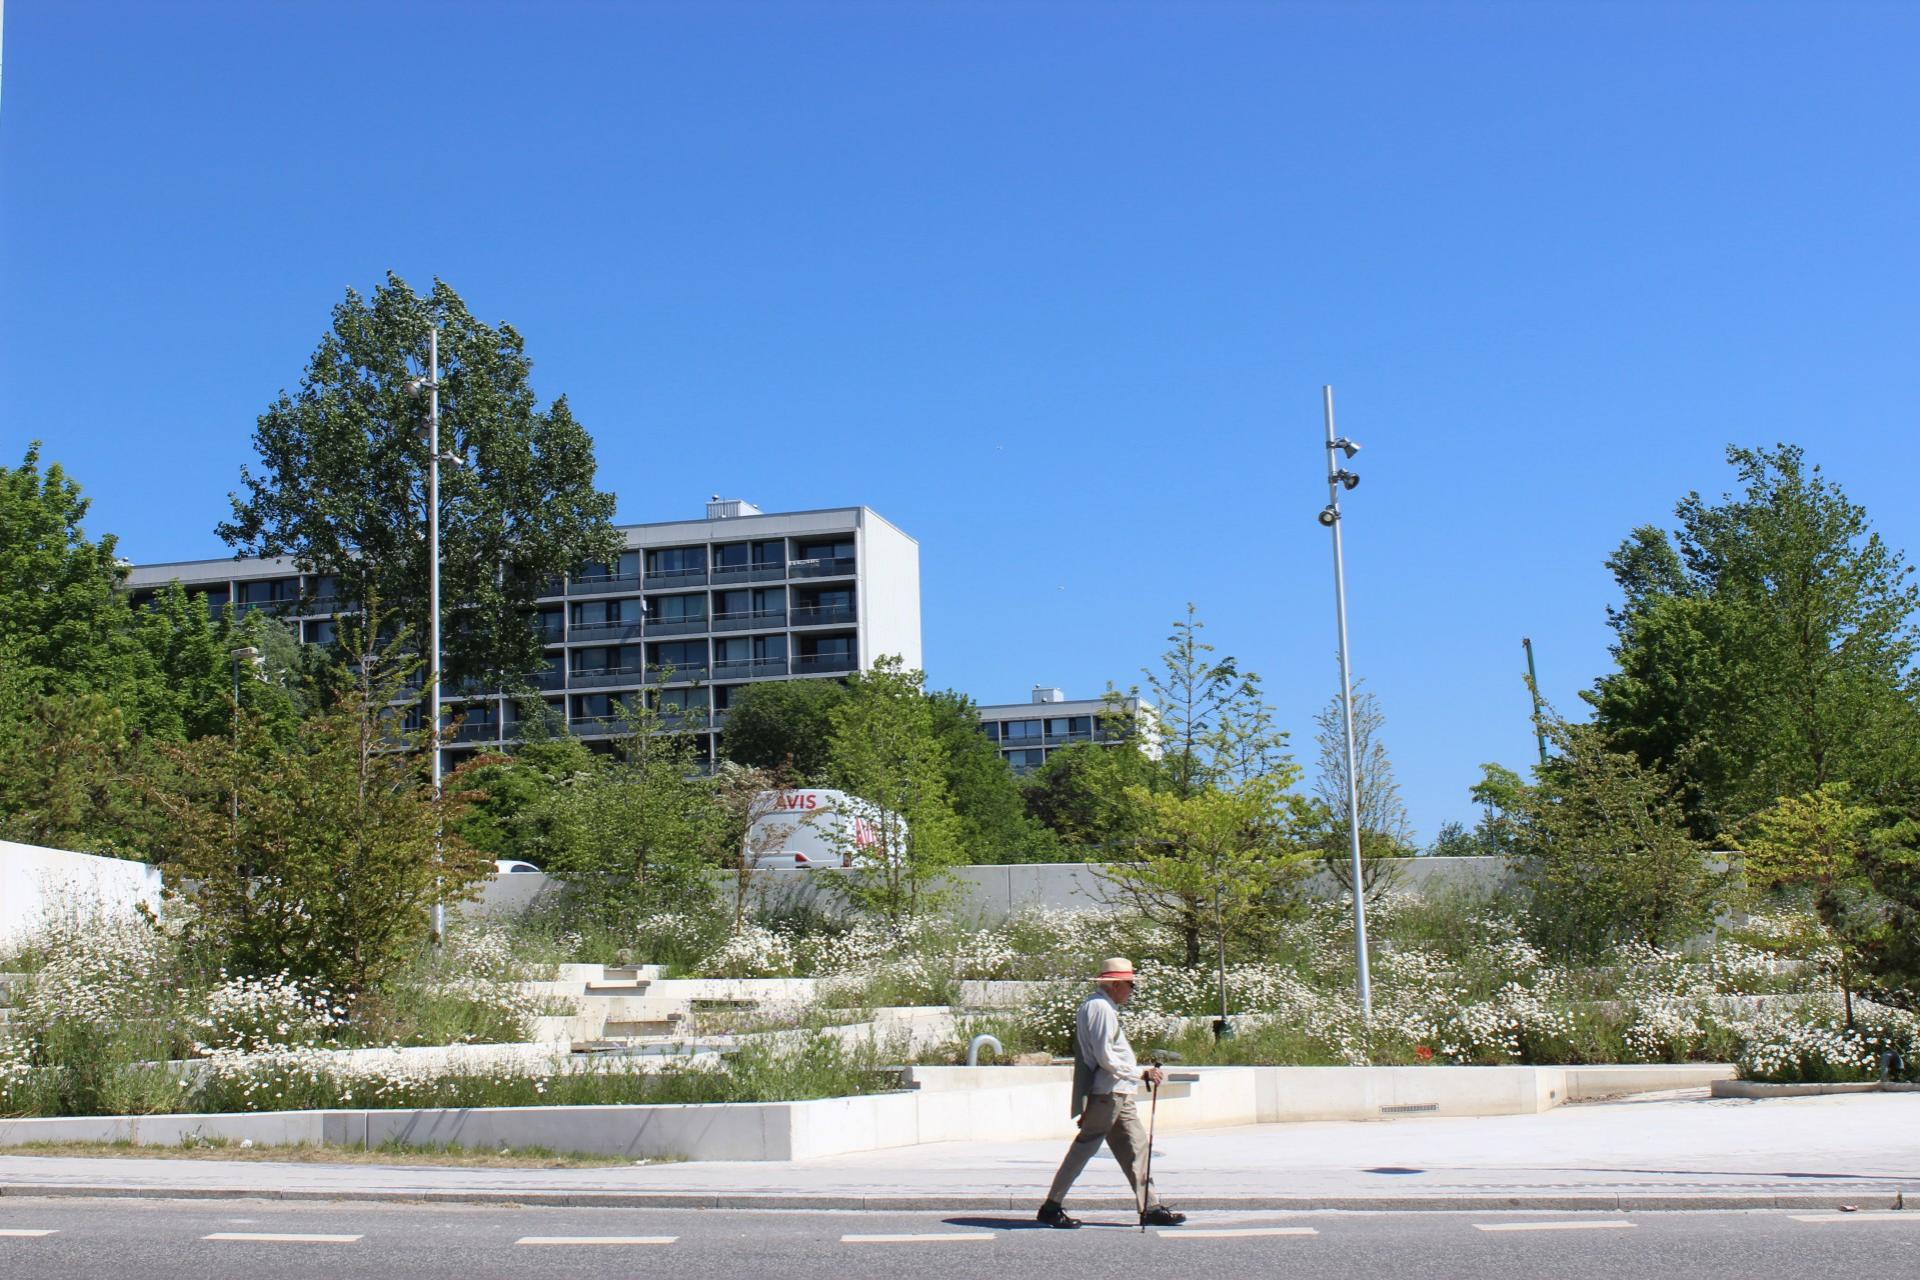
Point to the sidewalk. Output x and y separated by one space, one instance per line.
1657 1151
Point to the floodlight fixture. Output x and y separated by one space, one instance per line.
1328 514
1349 447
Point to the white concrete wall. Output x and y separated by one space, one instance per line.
39 884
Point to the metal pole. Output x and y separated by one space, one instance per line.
433 592
1222 1029
1533 687
1364 980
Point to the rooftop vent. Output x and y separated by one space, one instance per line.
1041 693
719 508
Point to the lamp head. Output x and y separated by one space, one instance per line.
1349 447
1348 479
1329 514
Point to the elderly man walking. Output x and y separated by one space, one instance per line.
1105 1078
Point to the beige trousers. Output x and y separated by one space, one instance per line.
1112 1120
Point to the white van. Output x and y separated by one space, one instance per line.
809 827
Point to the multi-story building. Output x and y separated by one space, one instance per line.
1027 732
692 612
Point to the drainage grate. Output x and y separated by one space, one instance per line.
1409 1108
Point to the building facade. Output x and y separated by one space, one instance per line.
692 612
1028 732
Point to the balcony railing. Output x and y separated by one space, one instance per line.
677 675
1063 739
822 662
552 635
592 725
548 680
603 584
822 567
820 615
481 731
758 571
677 626
606 677
749 668
677 577
602 631
321 607
750 620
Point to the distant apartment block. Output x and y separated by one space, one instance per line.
1028 732
691 613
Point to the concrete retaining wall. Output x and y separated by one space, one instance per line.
987 895
38 885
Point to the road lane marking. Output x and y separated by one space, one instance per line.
1552 1226
596 1239
272 1237
1883 1216
1205 1233
22 1233
932 1237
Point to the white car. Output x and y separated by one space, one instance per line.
507 866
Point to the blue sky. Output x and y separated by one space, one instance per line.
1053 287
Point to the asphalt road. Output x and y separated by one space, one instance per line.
111 1239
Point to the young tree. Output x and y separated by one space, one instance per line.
1602 844
1216 861
634 835
1815 842
784 724
320 858
741 836
884 752
1766 649
1214 728
508 816
343 486
1386 833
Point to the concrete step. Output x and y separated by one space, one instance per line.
619 987
670 1025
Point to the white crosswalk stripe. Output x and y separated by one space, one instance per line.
596 1240
274 1237
1887 1216
929 1238
1210 1233
23 1233
1597 1225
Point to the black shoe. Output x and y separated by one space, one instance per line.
1161 1216
1054 1216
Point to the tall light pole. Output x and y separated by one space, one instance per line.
1338 478
433 593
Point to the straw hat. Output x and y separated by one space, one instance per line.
1115 969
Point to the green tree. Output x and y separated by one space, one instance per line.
1219 861
342 486
784 724
991 814
884 751
507 815
1767 648
634 835
62 619
66 764
1602 845
1080 794
320 858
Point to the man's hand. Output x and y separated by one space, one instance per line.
1153 1076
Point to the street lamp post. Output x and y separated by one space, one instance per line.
433 596
1338 478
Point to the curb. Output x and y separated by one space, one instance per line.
1866 1198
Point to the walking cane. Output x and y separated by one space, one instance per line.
1146 1179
